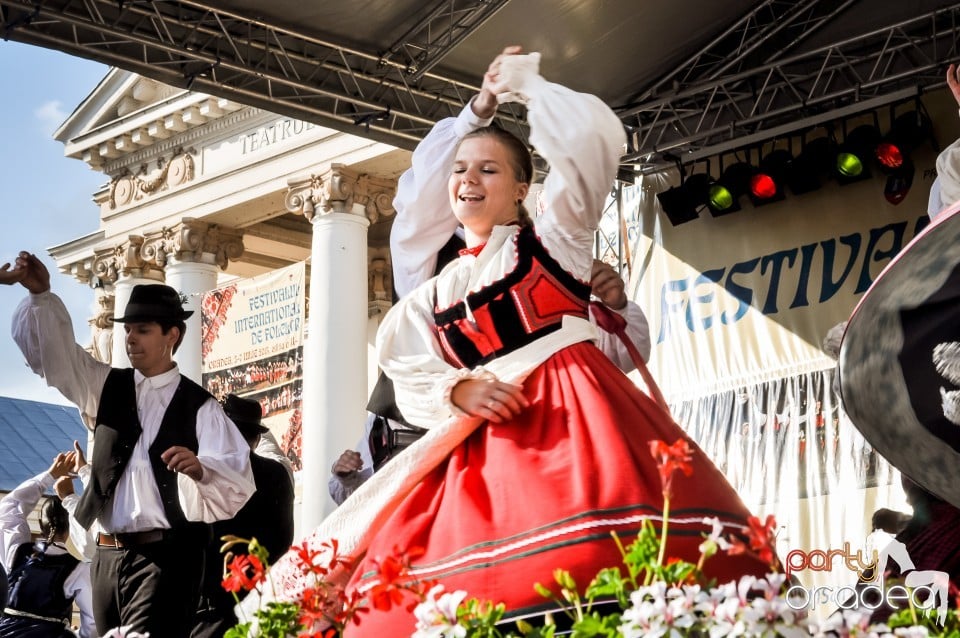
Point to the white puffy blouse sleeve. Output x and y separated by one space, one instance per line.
42 328
424 221
15 507
582 141
227 481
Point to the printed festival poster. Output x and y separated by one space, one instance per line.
253 347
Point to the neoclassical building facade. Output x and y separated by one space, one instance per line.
201 190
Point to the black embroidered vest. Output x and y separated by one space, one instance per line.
526 304
117 430
36 583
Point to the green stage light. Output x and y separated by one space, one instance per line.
681 204
849 165
724 196
853 158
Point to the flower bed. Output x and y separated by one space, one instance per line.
649 595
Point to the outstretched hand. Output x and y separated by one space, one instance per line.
36 277
953 81
77 456
9 277
485 104
495 401
63 487
607 285
350 461
62 465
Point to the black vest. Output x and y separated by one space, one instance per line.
524 305
36 584
117 430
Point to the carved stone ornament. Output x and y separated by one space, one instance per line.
128 188
190 240
124 259
337 190
379 281
101 328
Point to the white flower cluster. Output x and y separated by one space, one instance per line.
437 617
728 610
750 608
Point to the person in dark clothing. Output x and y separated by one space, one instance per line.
267 516
44 579
932 535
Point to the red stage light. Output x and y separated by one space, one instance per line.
889 155
762 186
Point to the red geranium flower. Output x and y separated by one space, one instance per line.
761 536
671 458
392 574
246 571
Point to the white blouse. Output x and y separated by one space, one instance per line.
424 222
44 332
15 507
582 140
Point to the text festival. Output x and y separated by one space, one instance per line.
812 272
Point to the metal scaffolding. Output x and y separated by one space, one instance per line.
731 92
756 80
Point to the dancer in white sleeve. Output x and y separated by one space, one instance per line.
166 460
45 579
538 446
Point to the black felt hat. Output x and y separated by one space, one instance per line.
153 302
246 414
900 356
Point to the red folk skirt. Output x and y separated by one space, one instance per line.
517 500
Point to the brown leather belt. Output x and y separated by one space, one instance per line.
130 539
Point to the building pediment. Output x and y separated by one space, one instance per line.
127 113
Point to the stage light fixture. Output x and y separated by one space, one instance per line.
681 203
815 160
907 133
852 163
899 182
723 196
767 183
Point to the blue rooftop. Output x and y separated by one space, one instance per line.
31 434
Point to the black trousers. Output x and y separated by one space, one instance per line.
150 588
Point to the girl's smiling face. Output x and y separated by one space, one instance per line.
484 189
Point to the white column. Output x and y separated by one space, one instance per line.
335 361
192 278
122 289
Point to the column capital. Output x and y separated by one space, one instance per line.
340 190
123 260
192 240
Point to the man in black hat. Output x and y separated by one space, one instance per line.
166 459
267 516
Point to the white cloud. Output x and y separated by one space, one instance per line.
51 115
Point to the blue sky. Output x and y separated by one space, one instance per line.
47 197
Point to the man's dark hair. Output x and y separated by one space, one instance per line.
165 328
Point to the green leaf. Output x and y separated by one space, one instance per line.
593 624
608 583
